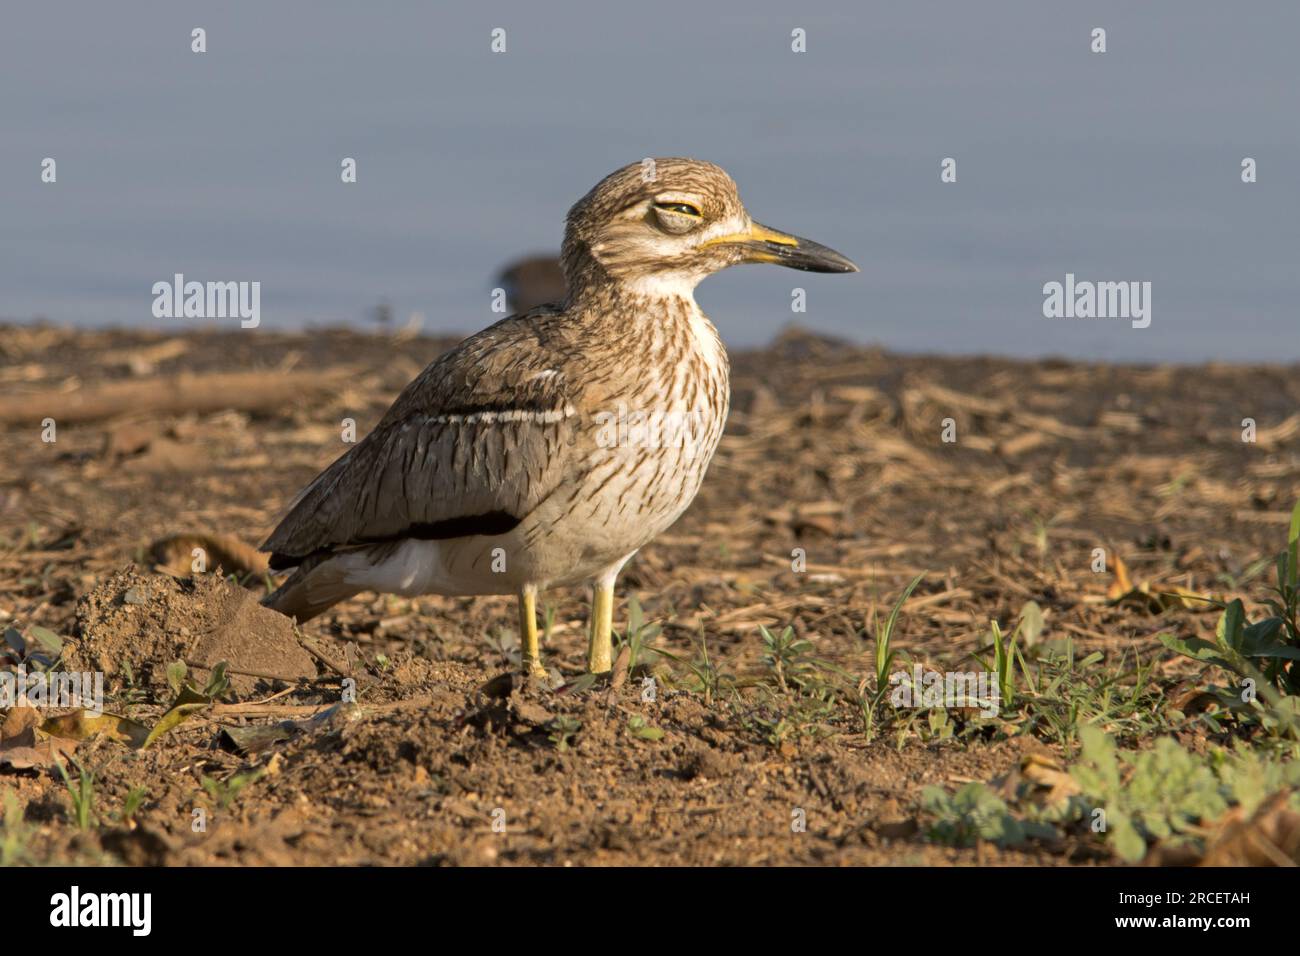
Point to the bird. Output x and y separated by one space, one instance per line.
532 281
547 449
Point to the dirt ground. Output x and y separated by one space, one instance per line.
834 486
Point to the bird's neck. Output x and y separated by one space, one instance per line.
651 296
633 309
662 326
594 289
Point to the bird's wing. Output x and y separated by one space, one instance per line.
471 446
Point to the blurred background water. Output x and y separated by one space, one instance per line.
225 165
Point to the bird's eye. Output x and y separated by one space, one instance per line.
683 208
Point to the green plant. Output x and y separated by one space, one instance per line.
506 644
637 727
872 695
1263 654
1166 793
1063 692
81 794
15 833
1003 657
548 623
132 693
785 655
1153 794
804 711
38 650
885 636
562 730
939 725
188 701
176 674
131 805
709 680
224 792
639 635
1163 794
976 812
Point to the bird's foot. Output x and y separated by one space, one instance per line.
533 670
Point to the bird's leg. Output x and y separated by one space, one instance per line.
531 659
600 652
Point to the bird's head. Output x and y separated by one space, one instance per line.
661 225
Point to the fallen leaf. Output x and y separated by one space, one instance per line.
81 725
18 721
1270 837
1153 598
253 739
620 667
1047 775
24 751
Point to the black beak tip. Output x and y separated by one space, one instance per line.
834 262
831 262
808 256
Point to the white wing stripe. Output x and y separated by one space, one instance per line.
548 417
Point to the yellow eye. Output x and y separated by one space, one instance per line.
685 209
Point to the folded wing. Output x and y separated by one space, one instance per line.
471 446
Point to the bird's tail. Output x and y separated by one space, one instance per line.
313 588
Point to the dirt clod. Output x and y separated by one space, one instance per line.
145 621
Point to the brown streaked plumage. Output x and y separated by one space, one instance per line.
550 447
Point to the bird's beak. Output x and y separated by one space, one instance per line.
761 244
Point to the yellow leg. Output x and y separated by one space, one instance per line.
532 659
600 652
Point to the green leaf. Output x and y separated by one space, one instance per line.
1259 640
884 652
637 727
14 638
580 684
1099 750
176 672
1031 623
634 616
1124 837
50 642
218 683
188 702
1230 626
1293 547
1196 649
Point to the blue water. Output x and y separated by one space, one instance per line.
225 165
